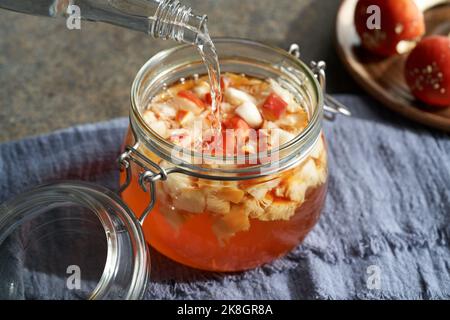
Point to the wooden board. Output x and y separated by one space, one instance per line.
383 77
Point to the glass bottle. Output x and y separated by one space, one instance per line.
162 19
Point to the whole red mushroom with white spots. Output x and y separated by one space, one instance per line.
427 71
402 22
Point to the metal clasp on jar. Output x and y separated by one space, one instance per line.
332 107
150 173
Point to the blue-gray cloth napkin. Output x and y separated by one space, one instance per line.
387 213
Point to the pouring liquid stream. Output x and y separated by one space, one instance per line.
210 58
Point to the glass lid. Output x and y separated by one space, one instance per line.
71 240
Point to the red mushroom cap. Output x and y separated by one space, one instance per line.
401 20
427 71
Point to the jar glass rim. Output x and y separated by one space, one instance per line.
310 133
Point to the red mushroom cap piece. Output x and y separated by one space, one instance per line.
401 20
427 71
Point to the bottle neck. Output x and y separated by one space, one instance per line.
178 23
162 19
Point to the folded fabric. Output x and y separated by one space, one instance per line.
387 212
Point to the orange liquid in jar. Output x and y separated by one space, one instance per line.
230 238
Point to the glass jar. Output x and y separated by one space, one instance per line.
94 246
224 217
95 241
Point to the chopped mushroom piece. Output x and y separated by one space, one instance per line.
217 204
279 210
190 200
250 113
202 89
292 106
238 97
233 195
160 128
164 110
175 183
229 224
259 191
